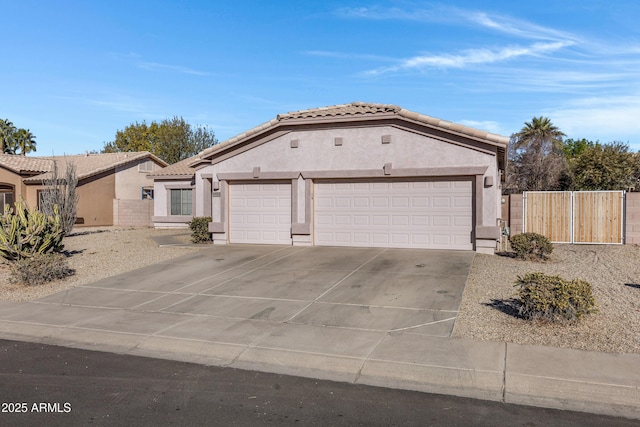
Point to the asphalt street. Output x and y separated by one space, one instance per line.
50 385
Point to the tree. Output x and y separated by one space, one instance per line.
61 192
575 147
605 167
13 139
536 157
7 136
172 139
25 141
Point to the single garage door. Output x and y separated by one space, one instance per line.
260 213
396 214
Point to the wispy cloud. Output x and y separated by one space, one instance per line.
469 57
516 27
457 16
345 55
137 60
154 66
545 40
601 117
487 125
434 13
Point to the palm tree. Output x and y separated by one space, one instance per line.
540 135
7 137
25 141
536 157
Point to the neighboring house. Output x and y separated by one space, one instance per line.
371 175
113 188
174 204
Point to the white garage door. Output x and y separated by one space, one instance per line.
260 213
395 214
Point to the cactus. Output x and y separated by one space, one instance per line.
25 232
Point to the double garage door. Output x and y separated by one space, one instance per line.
397 214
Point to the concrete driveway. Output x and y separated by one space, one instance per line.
369 316
346 314
357 288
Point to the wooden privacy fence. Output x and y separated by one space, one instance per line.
575 216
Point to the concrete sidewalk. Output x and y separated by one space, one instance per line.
148 312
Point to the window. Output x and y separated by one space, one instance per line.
46 195
145 166
6 199
147 193
181 202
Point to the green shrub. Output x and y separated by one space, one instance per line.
200 229
554 299
25 233
531 246
39 269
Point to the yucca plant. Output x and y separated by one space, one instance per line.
25 232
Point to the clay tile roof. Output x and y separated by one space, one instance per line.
180 168
357 110
24 164
86 164
353 109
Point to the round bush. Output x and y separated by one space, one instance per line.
554 299
40 269
199 226
531 246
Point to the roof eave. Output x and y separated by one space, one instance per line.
171 177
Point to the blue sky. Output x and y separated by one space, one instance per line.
75 72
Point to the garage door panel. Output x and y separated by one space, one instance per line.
441 202
420 220
342 202
462 221
420 202
400 220
400 202
362 220
260 213
462 202
421 214
442 221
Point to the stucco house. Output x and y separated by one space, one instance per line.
113 188
360 174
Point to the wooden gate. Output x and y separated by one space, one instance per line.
575 216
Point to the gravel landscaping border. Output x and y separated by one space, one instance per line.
487 310
98 252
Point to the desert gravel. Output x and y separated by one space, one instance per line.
487 310
96 253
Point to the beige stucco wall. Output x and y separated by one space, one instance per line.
161 211
95 199
10 178
362 149
129 180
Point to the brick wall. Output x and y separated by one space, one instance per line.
135 213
